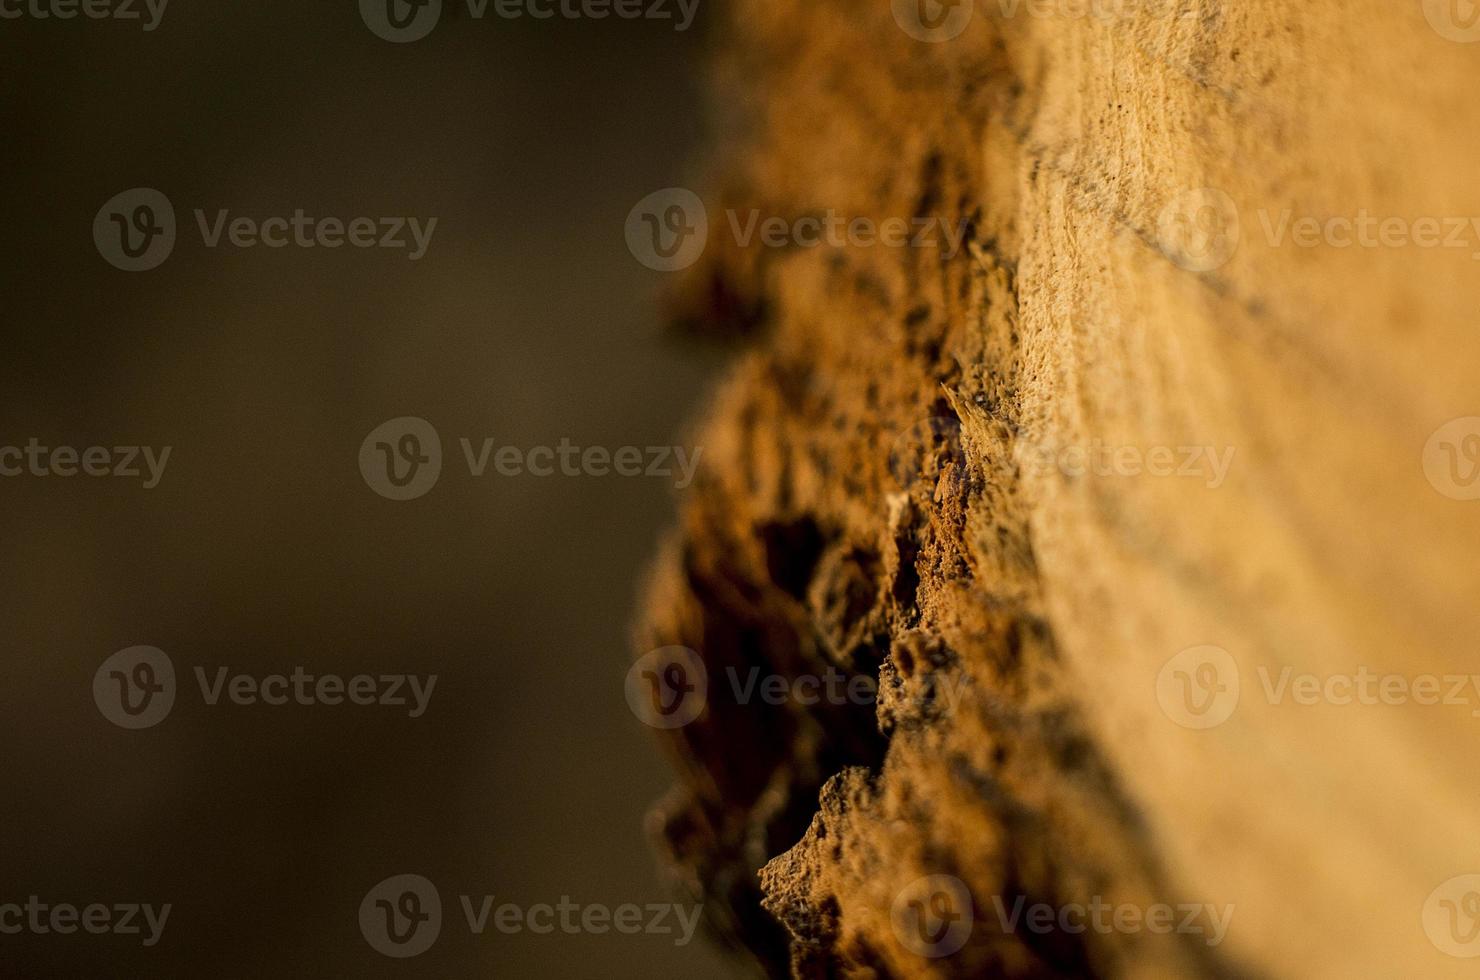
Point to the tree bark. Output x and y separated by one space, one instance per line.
930 468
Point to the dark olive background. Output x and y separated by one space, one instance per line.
263 549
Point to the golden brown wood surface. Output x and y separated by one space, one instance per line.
1150 265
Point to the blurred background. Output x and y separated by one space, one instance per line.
262 549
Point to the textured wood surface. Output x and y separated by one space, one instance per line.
1135 278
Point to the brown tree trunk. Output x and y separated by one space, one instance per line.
966 475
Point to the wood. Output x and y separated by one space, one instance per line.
1123 285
